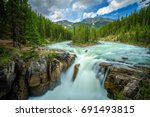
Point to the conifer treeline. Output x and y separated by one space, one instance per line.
134 28
20 23
84 34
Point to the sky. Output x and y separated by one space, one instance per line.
77 10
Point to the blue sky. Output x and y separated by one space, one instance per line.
77 10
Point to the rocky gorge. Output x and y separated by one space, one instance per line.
102 71
21 78
105 71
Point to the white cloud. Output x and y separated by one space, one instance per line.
53 9
75 10
89 15
77 5
82 4
55 16
115 5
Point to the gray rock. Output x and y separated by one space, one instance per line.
37 76
124 80
7 76
32 77
19 89
66 59
130 90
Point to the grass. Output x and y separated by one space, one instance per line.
29 54
6 55
118 95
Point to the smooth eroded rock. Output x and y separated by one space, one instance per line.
124 81
66 59
76 70
55 69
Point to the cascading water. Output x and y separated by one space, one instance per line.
89 82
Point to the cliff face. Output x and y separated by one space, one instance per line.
126 82
33 77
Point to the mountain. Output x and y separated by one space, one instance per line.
91 22
94 22
65 23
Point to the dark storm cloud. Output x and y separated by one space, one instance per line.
43 6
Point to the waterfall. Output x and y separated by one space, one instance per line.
89 82
105 75
86 84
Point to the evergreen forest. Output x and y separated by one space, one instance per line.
24 26
133 29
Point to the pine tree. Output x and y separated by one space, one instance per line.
134 28
13 19
31 31
2 18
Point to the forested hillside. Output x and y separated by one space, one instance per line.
21 24
24 26
132 29
96 22
84 34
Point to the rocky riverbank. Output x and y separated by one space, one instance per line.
33 76
127 82
34 73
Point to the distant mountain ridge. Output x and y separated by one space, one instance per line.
92 22
65 23
95 20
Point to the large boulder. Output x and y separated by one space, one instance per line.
123 82
37 77
44 74
54 71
